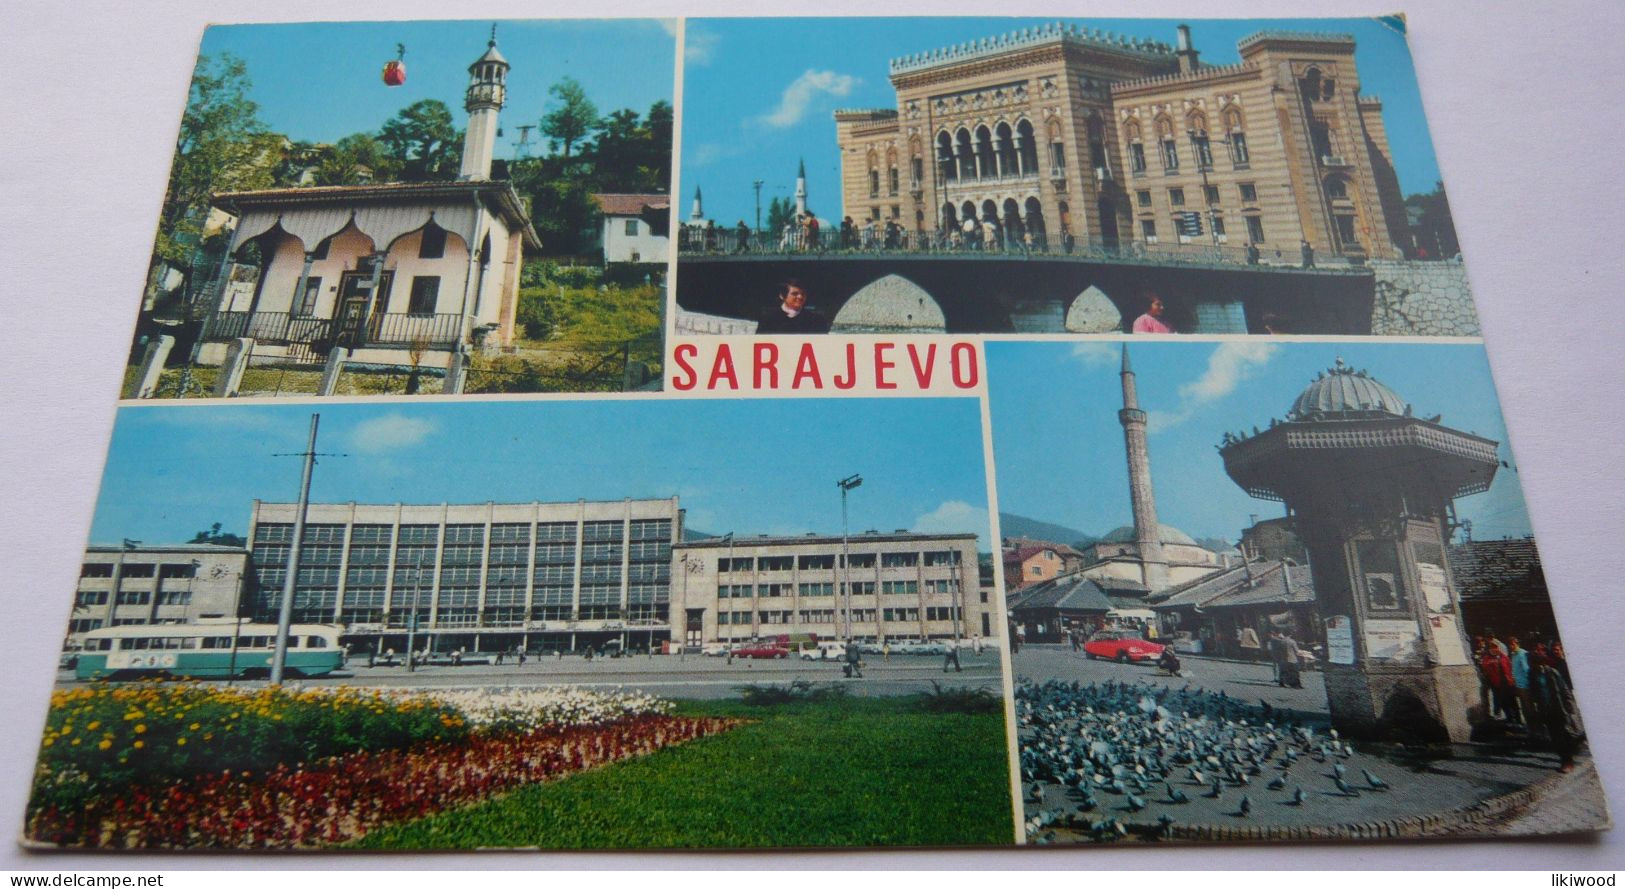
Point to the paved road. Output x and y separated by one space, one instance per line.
691 677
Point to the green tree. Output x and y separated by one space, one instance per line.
422 140
660 129
779 213
218 537
355 159
574 117
618 155
222 146
1431 223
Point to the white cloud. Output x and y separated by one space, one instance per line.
954 517
799 95
390 432
1227 367
1097 354
707 153
699 46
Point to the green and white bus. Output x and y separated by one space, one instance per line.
210 650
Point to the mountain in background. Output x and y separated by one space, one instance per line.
1011 525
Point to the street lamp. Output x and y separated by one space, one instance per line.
1203 151
846 484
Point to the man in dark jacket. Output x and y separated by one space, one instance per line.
792 314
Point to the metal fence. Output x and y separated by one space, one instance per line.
694 241
393 329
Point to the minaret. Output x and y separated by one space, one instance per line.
697 215
801 189
487 90
1147 533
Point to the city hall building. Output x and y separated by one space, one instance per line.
481 577
903 586
1060 130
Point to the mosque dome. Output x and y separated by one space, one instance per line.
1167 533
1343 392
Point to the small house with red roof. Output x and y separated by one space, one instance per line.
636 228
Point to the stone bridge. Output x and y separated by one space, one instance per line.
980 293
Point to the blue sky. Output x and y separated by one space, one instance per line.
321 82
753 466
1058 447
759 93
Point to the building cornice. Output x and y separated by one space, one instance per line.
496 195
1055 34
1204 76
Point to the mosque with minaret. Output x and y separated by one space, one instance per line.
425 273
1147 553
696 213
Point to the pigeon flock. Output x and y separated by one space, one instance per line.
1093 756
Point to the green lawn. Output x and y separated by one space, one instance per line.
843 772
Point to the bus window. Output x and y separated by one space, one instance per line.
315 642
189 642
139 644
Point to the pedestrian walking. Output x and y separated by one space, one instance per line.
1518 658
1558 714
952 659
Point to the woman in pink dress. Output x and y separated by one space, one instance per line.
1151 321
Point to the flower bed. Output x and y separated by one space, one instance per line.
522 709
107 738
341 798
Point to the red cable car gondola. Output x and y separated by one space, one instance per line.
395 69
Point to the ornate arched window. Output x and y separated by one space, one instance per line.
1235 127
1136 147
1026 147
945 156
1167 147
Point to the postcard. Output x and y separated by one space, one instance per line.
639 434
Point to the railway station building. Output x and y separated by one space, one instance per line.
482 577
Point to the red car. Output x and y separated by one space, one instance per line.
1121 646
770 652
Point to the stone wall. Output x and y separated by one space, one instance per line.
1422 299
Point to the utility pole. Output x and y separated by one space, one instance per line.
758 186
846 484
412 616
285 614
521 151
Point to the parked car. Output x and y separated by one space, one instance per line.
826 651
1120 646
714 649
761 651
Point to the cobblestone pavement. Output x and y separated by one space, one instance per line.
1493 791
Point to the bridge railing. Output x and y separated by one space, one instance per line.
697 241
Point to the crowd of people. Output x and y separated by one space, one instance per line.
806 233
1530 688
